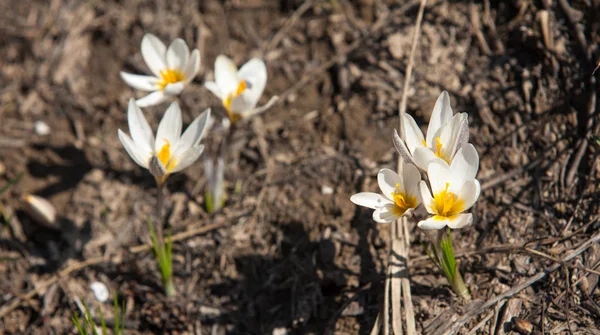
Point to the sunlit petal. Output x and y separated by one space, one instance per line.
193 134
226 75
460 221
151 99
369 200
178 54
426 196
139 156
384 215
441 115
433 224
412 133
140 130
214 88
153 52
254 72
188 158
387 180
192 66
423 156
465 164
470 192
140 82
169 128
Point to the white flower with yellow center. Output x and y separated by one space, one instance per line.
171 151
172 69
445 135
454 190
400 194
239 90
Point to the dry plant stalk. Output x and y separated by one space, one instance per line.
397 282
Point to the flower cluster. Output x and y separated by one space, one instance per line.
447 161
171 151
172 69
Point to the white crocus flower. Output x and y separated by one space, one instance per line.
239 90
400 194
172 69
445 135
171 151
454 190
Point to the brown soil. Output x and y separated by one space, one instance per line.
287 255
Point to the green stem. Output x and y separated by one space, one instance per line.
169 286
459 287
447 261
163 251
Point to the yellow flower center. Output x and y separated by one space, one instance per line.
403 201
234 117
446 204
164 156
438 149
169 76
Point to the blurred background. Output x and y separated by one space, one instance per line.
289 252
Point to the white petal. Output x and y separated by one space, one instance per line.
423 156
387 180
460 221
226 75
385 214
470 193
174 89
140 130
254 72
369 199
412 133
450 135
192 66
140 82
411 178
169 129
433 224
139 156
439 174
465 164
151 99
153 52
401 148
463 135
193 134
214 88
442 113
426 197
178 54
187 158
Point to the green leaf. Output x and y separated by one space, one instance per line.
11 183
209 201
432 255
448 259
163 255
595 138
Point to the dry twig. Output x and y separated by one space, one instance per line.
453 328
53 279
397 282
181 236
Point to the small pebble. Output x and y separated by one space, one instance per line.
100 291
280 331
326 190
41 128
